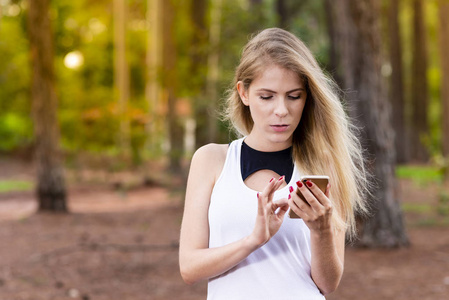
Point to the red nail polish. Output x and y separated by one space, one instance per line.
271 179
289 196
257 195
299 184
309 183
280 178
290 189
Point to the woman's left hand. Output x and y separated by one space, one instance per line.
316 209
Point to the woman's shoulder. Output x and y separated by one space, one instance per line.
210 158
211 152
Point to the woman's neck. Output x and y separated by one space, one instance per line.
266 145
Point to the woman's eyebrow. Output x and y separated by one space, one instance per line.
288 92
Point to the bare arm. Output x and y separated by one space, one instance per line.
198 261
327 243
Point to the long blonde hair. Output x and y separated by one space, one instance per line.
324 141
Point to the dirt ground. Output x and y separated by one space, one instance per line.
123 244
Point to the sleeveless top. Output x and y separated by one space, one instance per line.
280 269
252 160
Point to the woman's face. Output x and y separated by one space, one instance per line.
276 100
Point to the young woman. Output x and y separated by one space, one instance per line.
236 231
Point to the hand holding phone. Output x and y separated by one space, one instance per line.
319 180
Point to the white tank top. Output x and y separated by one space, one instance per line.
278 270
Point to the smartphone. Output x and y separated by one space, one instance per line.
320 180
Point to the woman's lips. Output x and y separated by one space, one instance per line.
279 128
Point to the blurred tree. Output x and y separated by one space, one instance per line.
169 82
420 126
213 68
444 46
121 74
153 60
396 82
287 10
331 30
255 2
51 190
283 13
358 46
199 54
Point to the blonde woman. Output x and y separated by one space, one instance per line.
236 231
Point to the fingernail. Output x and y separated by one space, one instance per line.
271 179
289 196
281 178
299 184
257 195
309 183
290 189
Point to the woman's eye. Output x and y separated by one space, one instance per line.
294 97
266 97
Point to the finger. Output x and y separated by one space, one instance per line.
271 187
328 190
319 195
308 196
268 188
283 207
296 209
278 183
260 206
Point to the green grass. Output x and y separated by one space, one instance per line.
15 186
418 207
419 174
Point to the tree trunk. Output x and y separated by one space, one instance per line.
358 48
51 191
419 123
444 46
283 13
175 131
121 74
213 68
396 82
153 59
199 48
331 31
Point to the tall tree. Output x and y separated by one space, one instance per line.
175 130
420 127
121 73
444 46
396 82
213 68
200 34
283 13
287 10
51 191
359 63
332 33
153 61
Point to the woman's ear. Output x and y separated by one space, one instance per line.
242 93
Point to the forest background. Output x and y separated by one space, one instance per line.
101 94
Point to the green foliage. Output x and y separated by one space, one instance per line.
15 130
15 125
88 112
15 186
421 208
443 203
419 174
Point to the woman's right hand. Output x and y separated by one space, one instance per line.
270 214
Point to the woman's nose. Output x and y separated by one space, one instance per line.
281 108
